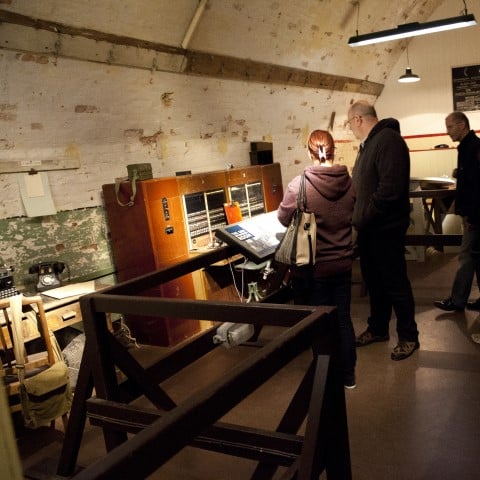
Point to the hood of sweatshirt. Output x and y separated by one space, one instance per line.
331 182
391 123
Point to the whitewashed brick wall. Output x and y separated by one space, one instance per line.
110 116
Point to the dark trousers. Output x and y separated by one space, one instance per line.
335 290
469 264
384 270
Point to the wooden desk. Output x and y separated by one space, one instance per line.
59 314
435 204
429 208
62 313
66 312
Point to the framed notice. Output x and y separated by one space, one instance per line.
466 88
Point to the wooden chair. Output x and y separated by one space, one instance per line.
35 363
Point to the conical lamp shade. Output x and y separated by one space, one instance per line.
409 77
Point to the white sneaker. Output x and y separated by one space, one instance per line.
476 337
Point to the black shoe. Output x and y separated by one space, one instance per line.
474 305
448 305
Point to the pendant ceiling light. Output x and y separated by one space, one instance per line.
409 76
412 29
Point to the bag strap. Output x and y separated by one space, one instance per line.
57 351
131 202
302 195
17 333
16 303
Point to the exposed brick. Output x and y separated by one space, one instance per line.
152 139
4 107
8 117
86 109
92 246
167 99
6 144
133 133
28 57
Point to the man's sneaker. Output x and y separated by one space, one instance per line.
349 382
367 337
474 305
448 305
404 350
476 337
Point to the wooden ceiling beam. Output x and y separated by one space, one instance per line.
219 66
193 62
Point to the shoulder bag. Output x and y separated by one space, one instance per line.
136 171
298 246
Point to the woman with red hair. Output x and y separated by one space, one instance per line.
331 197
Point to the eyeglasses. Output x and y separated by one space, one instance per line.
350 119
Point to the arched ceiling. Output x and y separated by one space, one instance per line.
282 41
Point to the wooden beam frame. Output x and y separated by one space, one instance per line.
319 397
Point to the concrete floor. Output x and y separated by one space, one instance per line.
417 419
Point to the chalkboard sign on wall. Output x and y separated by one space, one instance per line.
466 88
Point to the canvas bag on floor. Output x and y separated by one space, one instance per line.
46 395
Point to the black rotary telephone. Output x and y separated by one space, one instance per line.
48 274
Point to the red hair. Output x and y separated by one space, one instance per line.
321 145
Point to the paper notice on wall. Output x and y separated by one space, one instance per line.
36 195
34 186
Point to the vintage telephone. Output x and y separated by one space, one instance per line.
48 274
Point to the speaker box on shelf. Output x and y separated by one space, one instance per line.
261 153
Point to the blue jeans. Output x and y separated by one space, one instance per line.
469 260
335 290
384 269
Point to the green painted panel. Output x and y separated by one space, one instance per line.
76 237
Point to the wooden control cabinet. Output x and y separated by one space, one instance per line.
171 219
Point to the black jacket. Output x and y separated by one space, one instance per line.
381 178
467 200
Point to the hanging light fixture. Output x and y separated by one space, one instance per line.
412 29
409 76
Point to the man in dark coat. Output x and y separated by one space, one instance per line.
467 205
381 178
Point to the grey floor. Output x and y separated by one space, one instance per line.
418 419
